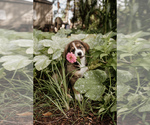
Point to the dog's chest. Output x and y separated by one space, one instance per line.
83 67
77 70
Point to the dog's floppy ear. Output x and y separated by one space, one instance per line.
87 47
66 50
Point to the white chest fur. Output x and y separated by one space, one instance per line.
83 67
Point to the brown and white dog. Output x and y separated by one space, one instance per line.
76 70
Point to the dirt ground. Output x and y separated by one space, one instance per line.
73 118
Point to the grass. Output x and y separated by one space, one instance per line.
56 94
16 95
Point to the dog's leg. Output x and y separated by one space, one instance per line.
78 96
77 75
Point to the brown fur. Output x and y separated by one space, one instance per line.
73 69
68 47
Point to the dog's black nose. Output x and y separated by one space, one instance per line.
79 54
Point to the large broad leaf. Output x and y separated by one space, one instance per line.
109 35
121 91
56 55
63 32
143 63
123 76
139 34
77 36
23 42
29 50
37 46
91 40
91 85
61 41
125 55
6 47
14 62
50 43
42 35
42 62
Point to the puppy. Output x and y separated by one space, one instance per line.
76 70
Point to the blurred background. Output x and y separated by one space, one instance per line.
89 15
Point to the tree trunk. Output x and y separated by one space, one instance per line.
67 10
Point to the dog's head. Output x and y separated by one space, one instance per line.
77 47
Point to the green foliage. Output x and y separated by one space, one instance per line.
16 73
98 17
14 62
91 84
133 16
98 84
15 49
133 74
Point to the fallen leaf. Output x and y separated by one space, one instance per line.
47 114
26 114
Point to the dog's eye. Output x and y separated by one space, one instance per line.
80 47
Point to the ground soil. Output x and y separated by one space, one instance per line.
73 118
132 119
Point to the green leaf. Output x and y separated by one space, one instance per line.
60 42
102 55
110 47
95 92
23 42
123 76
100 48
14 62
139 34
125 55
143 63
29 50
145 108
107 98
42 62
101 110
113 108
121 91
50 43
133 98
91 85
50 51
109 35
56 55
122 110
6 47
91 40
77 36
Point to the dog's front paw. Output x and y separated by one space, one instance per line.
87 68
78 97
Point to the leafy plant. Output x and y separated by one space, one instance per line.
98 85
133 74
91 85
16 74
